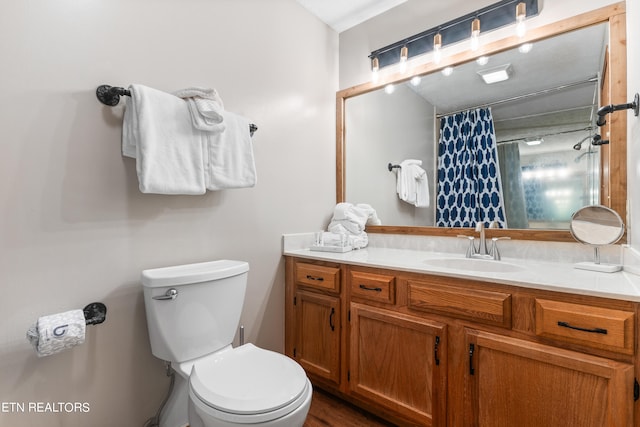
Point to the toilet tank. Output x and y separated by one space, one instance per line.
204 312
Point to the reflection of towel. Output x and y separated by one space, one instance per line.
57 332
412 185
205 106
229 161
168 149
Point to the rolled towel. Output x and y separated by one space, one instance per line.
205 106
54 333
353 218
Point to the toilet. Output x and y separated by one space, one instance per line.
193 312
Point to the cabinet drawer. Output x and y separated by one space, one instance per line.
318 276
374 287
596 327
481 306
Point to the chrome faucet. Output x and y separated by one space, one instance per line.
482 251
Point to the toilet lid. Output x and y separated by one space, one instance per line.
248 380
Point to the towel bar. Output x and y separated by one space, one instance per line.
110 95
392 167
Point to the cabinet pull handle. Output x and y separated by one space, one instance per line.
577 328
319 279
471 350
435 351
333 312
367 288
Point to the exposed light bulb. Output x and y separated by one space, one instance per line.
375 67
483 60
389 89
447 71
475 34
521 15
437 48
404 55
415 81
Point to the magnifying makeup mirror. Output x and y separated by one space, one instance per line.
597 226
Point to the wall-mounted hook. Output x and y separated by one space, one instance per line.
603 111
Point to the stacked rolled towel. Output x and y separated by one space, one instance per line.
351 220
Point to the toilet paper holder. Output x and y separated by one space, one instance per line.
95 313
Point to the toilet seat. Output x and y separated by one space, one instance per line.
248 384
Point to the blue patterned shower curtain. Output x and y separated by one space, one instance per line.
468 174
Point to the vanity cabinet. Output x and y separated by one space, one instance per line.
516 382
314 320
398 362
430 350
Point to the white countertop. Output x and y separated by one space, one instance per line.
552 276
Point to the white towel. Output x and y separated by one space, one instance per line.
168 149
412 184
352 219
339 239
205 106
229 161
54 333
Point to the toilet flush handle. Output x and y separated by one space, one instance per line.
170 294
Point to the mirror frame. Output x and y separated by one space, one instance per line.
613 182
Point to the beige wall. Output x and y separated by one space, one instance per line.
74 227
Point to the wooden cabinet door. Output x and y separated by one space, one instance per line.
399 362
511 382
317 331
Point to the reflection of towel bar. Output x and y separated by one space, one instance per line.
392 167
110 95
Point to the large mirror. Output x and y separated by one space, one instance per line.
543 118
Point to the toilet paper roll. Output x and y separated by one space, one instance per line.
57 332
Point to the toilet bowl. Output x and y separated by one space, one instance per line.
248 385
192 313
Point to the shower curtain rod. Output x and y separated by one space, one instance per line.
585 129
110 95
523 96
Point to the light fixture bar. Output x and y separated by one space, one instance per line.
497 15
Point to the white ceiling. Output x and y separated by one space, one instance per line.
344 14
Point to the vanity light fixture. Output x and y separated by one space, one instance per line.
404 55
475 34
459 30
437 48
496 74
389 89
415 81
375 68
447 71
521 15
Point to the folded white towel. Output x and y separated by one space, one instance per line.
205 106
54 333
412 184
352 219
229 161
359 241
168 149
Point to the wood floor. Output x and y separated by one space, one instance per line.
327 410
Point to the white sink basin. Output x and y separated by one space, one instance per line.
474 264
